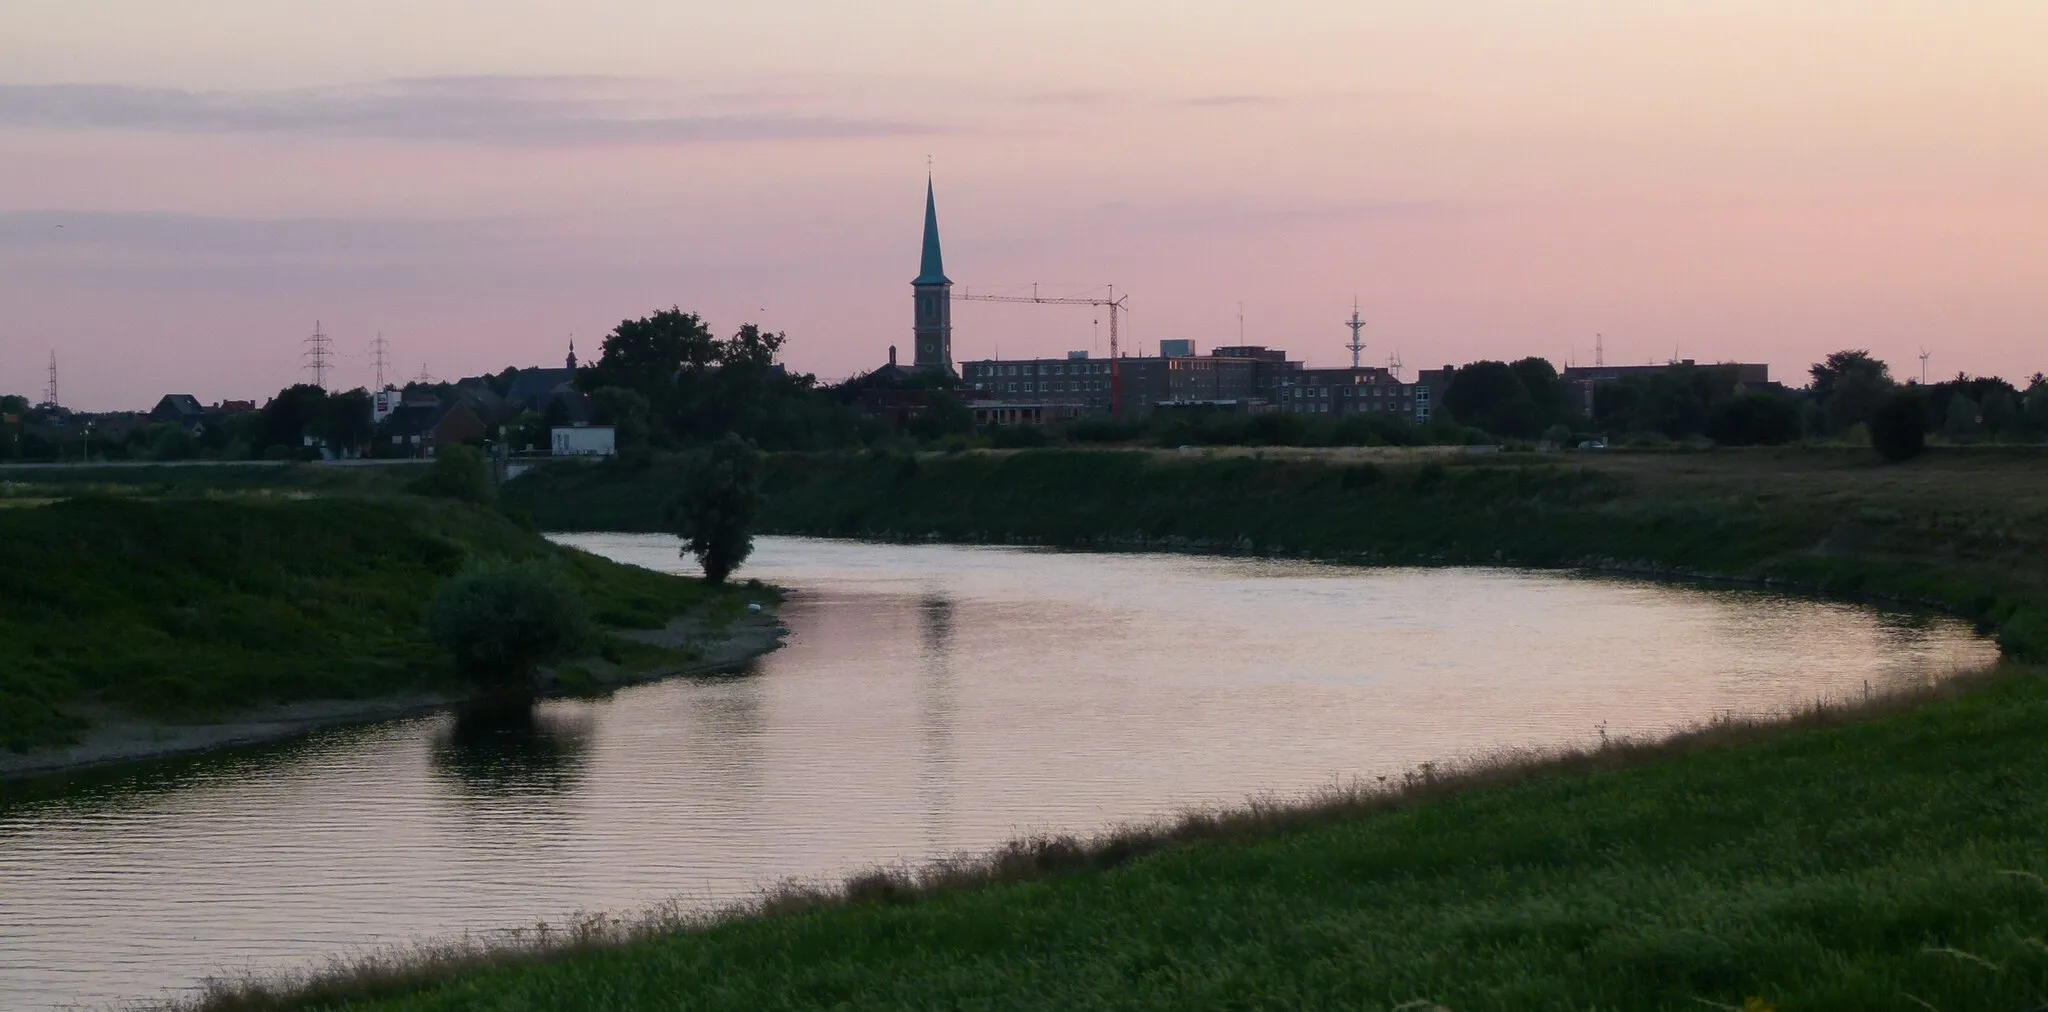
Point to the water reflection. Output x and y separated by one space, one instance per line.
503 750
935 716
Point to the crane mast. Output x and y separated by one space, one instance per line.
1113 301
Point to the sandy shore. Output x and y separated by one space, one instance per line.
117 739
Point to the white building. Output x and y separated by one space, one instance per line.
584 441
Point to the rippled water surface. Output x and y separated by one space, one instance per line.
930 700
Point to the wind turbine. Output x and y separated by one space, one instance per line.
1923 365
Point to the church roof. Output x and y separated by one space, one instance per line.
931 267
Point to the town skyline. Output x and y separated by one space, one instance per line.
1746 184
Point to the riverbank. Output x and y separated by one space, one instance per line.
1959 530
136 629
686 646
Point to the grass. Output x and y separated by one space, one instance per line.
1887 859
190 608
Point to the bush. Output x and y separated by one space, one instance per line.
1754 419
458 472
1018 437
715 514
502 621
1898 428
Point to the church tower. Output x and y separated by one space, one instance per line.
933 293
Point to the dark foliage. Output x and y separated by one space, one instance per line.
1898 427
715 513
458 472
1754 419
502 620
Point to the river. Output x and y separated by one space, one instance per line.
930 700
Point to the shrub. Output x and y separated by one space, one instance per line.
458 472
1018 437
715 514
1898 428
1754 419
502 621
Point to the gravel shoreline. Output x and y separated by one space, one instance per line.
114 739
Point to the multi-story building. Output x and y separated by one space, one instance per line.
1237 377
1348 391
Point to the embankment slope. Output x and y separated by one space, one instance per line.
190 609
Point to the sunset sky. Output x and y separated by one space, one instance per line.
1742 179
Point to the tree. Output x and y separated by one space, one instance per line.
1849 385
1898 427
715 513
289 417
1546 389
170 441
1961 422
529 431
1754 419
342 422
502 621
2036 413
626 411
458 472
2001 411
1490 395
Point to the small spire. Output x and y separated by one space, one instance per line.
931 266
572 352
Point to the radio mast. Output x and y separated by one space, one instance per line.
1356 323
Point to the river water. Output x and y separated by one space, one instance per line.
930 700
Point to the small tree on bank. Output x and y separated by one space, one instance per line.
715 513
502 621
458 472
1898 427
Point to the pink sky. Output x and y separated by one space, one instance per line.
1738 180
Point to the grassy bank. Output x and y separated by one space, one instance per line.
1891 863
1966 531
194 608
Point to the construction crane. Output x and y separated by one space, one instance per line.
1113 301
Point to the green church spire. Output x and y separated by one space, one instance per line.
931 268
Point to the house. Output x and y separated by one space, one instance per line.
234 408
535 389
584 441
184 409
417 429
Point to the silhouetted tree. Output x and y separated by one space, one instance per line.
501 621
458 472
715 513
1898 427
1754 419
1848 385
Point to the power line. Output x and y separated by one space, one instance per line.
319 348
50 396
379 346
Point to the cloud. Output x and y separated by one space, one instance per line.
1226 101
1240 217
509 110
96 234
